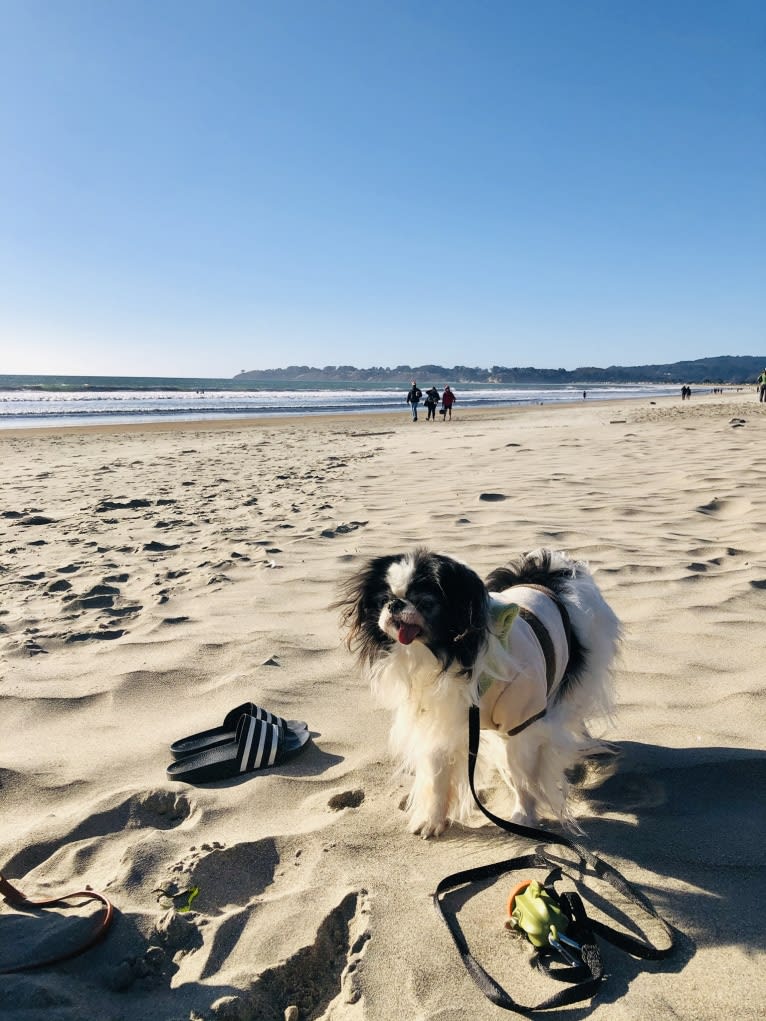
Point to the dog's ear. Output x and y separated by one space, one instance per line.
466 610
362 598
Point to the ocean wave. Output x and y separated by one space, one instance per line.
19 407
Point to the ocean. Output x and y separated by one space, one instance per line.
29 401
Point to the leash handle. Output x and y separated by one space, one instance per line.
593 970
17 899
585 979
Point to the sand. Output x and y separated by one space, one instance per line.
153 578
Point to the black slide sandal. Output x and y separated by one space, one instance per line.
257 745
227 732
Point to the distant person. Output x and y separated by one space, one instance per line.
413 399
762 387
448 399
584 394
431 401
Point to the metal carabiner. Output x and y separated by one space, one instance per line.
557 939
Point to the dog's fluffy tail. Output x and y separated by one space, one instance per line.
551 568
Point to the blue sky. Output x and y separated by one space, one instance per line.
192 188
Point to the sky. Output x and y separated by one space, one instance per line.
194 188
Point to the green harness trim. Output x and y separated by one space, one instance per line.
503 615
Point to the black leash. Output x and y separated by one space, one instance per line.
584 978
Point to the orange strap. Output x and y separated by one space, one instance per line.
17 899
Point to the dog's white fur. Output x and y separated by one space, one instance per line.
430 711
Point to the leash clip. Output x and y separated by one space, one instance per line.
557 940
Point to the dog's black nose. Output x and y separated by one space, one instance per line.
396 605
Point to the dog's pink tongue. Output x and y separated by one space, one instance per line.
408 633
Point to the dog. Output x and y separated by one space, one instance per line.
533 646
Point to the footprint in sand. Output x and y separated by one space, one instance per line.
346 799
35 519
97 598
151 966
33 648
725 508
104 635
124 612
159 809
214 888
219 579
343 529
121 504
316 974
62 585
224 876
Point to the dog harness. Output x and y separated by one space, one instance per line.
527 657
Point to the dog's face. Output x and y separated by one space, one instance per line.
416 597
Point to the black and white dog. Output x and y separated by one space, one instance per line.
533 647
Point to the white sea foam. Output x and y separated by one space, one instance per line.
31 407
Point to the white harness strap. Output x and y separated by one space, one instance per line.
519 678
547 612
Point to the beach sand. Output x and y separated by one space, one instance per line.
155 577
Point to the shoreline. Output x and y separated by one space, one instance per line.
377 417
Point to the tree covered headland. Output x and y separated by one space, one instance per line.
723 369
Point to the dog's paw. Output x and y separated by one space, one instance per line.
427 828
528 818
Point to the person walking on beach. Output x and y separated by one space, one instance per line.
448 399
432 399
762 387
413 399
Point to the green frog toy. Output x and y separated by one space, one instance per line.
535 912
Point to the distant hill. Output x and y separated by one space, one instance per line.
723 369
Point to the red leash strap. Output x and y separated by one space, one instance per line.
17 899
